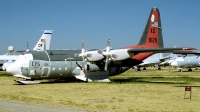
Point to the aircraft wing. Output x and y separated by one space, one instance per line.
165 58
21 52
158 50
186 53
146 64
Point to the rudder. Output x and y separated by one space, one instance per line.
44 41
152 34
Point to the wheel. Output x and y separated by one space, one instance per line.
138 69
189 70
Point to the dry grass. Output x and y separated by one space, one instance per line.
149 90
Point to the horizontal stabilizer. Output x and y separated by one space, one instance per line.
147 63
165 58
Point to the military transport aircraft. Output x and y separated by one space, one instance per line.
188 62
42 44
91 65
153 60
168 62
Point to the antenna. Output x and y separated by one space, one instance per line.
27 46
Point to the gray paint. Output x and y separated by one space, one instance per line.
56 55
43 68
189 62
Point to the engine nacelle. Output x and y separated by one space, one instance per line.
119 54
94 56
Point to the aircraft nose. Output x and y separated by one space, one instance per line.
13 69
5 65
174 63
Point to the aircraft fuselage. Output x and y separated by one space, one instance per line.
187 62
52 64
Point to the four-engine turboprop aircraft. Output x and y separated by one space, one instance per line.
91 65
42 44
187 61
153 60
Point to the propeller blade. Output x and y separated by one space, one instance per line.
83 65
107 54
108 45
106 65
83 49
83 55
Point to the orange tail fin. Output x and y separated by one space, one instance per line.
152 34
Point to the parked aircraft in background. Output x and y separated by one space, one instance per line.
91 65
42 44
7 59
153 60
168 61
188 62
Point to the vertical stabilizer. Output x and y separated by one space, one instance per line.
152 34
44 41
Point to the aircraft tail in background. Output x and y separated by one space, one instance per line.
44 41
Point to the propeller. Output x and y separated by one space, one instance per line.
107 54
84 56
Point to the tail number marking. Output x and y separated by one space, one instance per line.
152 40
152 30
40 45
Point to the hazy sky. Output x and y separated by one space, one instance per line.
94 21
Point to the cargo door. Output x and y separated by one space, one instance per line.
45 71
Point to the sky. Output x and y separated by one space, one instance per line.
94 21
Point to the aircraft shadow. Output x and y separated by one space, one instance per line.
188 85
156 80
68 80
